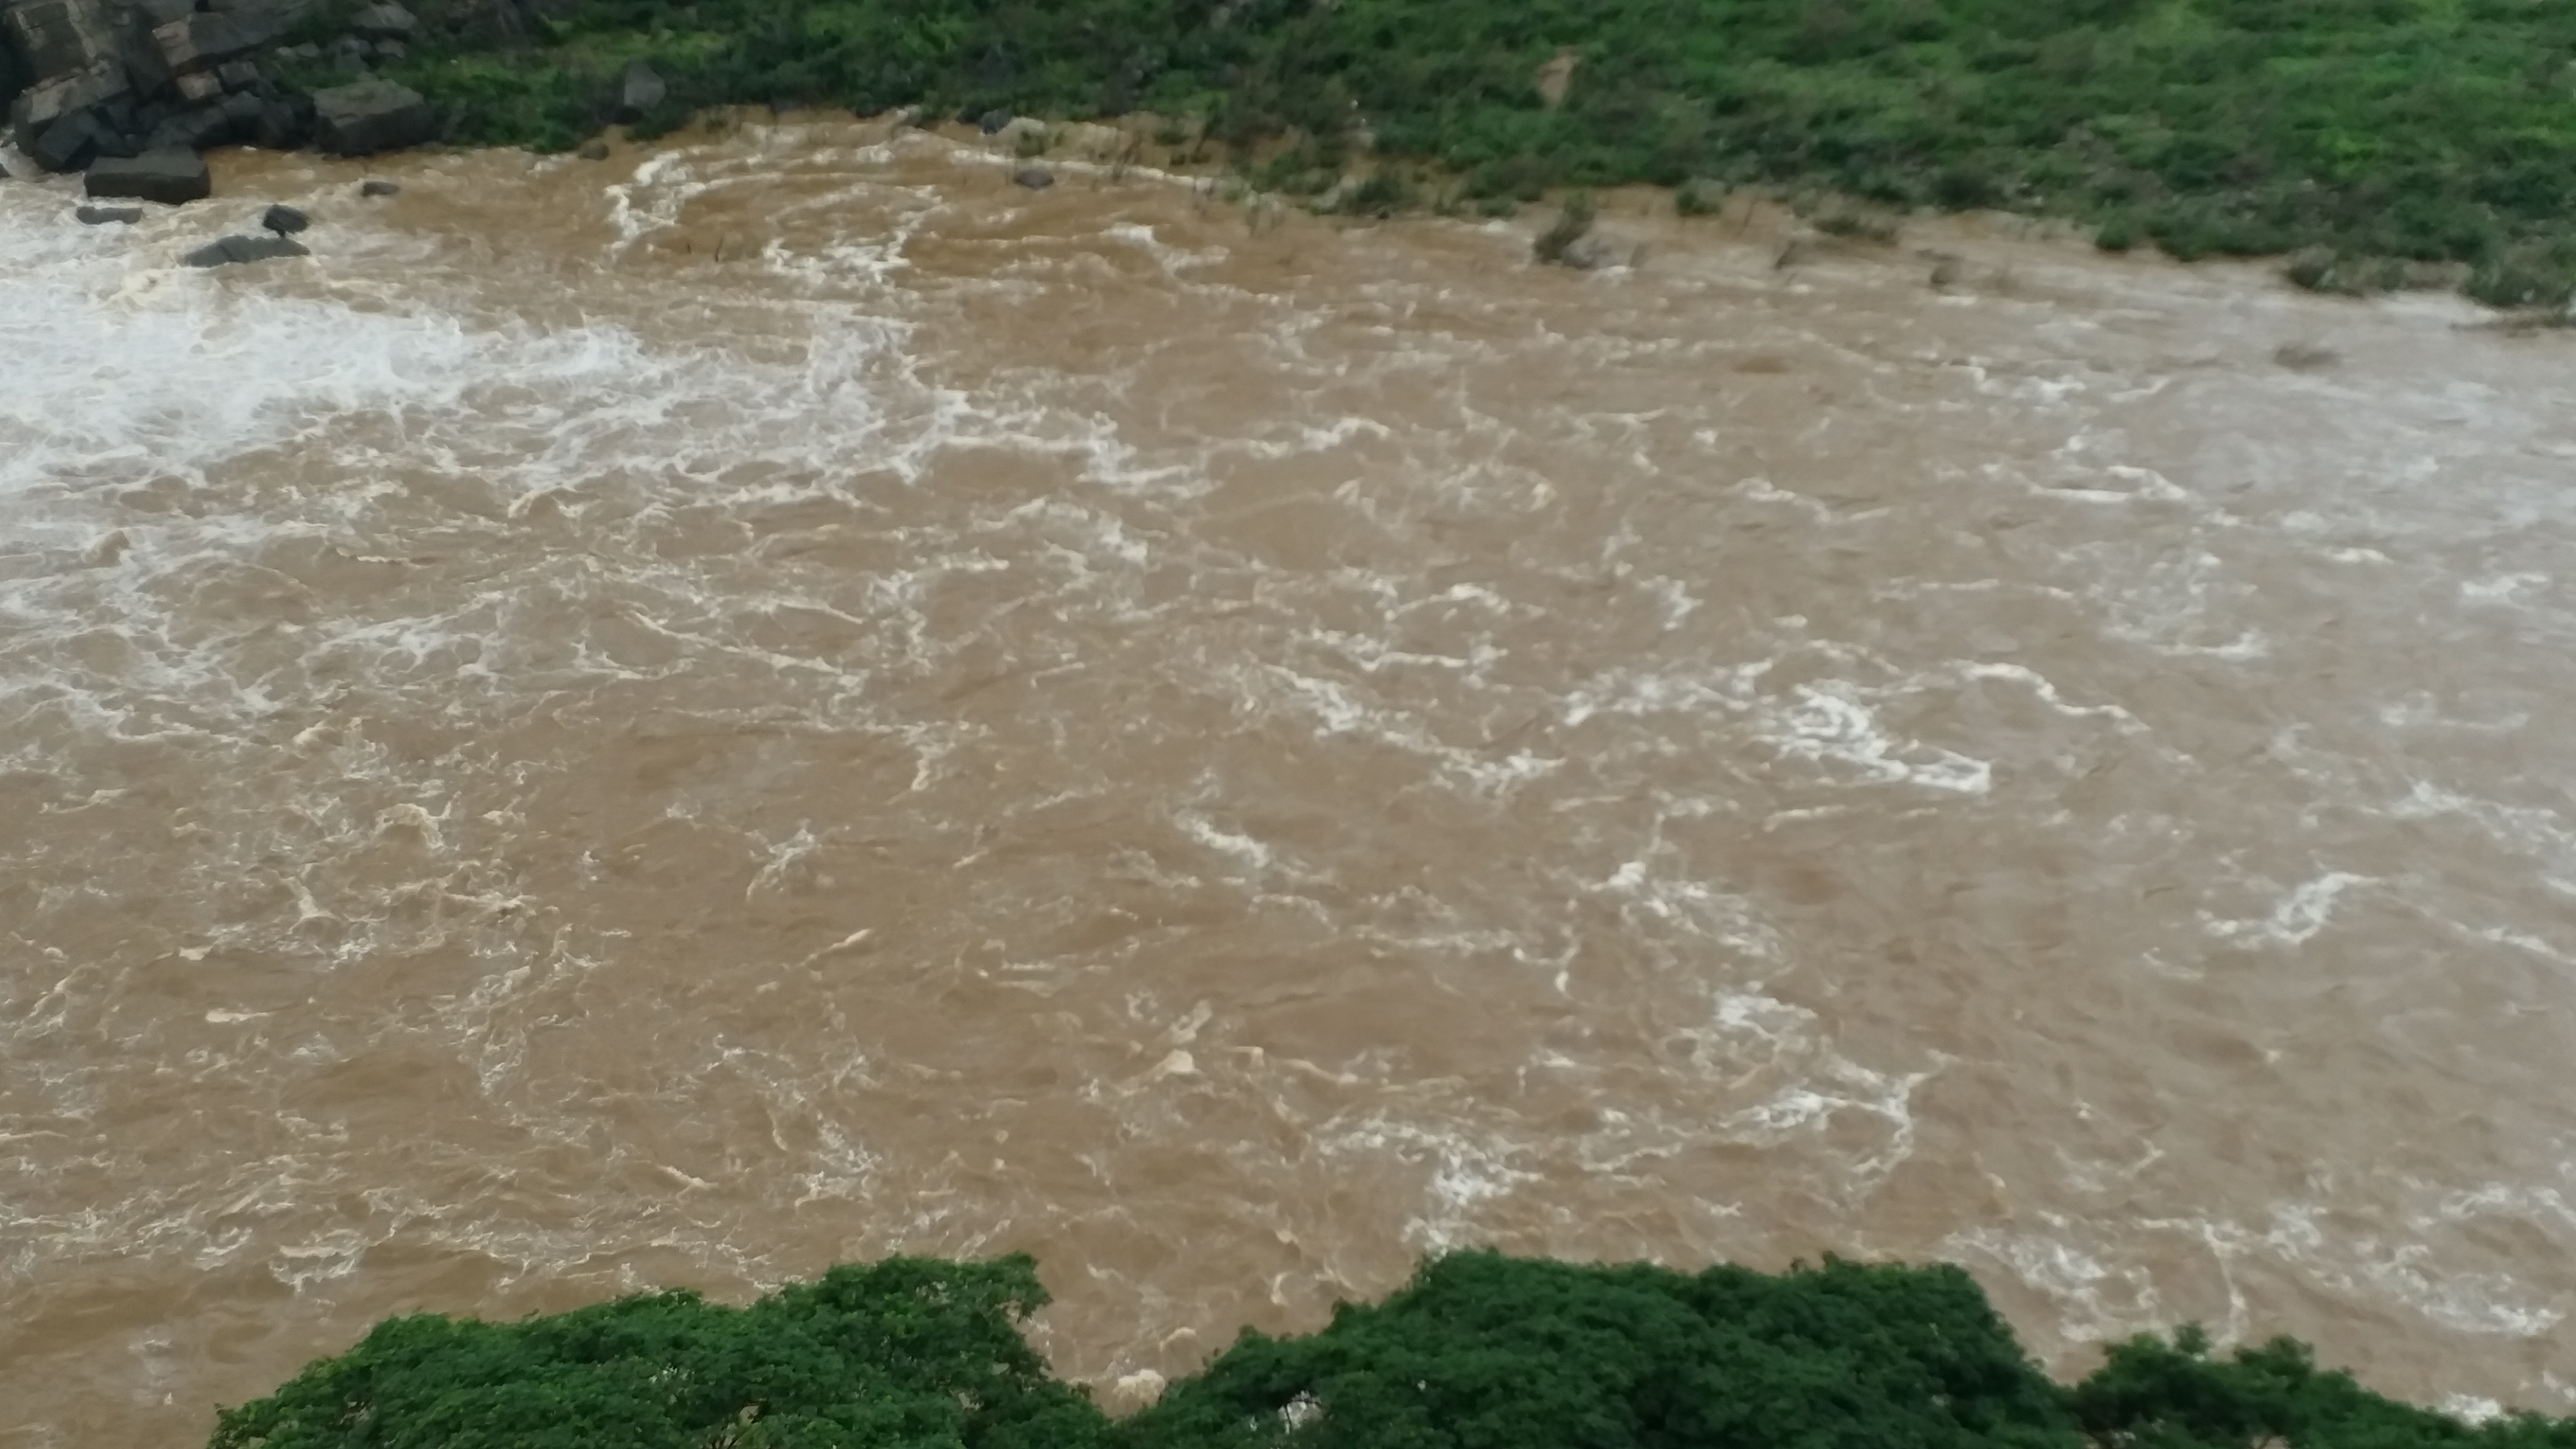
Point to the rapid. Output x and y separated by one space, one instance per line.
779 699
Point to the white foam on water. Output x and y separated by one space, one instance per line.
2297 915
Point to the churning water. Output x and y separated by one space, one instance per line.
780 699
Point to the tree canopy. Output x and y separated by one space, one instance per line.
1478 1351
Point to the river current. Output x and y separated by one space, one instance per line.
778 699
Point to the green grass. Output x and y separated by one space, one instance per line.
2414 130
1479 1351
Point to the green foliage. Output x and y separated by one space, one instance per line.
2152 1394
1485 1352
1479 1351
2377 128
907 1354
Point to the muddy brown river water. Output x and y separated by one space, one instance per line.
780 699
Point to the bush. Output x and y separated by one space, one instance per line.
1479 1351
907 1354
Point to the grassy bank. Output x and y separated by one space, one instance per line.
1478 1352
2371 134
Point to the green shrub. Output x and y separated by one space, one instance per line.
907 1354
1479 1351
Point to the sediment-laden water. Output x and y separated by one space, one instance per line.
781 699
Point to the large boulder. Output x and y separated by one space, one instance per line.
50 101
68 144
57 37
639 90
371 115
232 250
169 177
203 40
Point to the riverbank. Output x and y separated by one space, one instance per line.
2378 145
2391 143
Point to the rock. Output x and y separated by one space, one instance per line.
384 20
237 75
285 220
200 88
4 173
379 188
232 250
107 215
1590 252
47 102
350 53
306 51
68 144
58 37
993 122
593 150
368 116
204 40
157 13
639 90
169 177
388 51
1035 178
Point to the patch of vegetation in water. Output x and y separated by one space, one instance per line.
1479 1351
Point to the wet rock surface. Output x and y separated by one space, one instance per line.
171 177
368 116
234 250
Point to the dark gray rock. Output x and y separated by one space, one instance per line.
349 53
593 150
306 51
161 12
48 101
384 21
4 173
58 37
204 40
233 250
993 122
170 177
68 144
389 51
379 188
238 75
368 116
108 215
201 88
1035 178
639 90
285 220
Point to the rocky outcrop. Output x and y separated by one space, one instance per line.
120 79
232 250
171 177
371 115
639 90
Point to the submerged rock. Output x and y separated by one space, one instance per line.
108 215
593 150
368 116
372 187
232 250
1035 178
170 177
